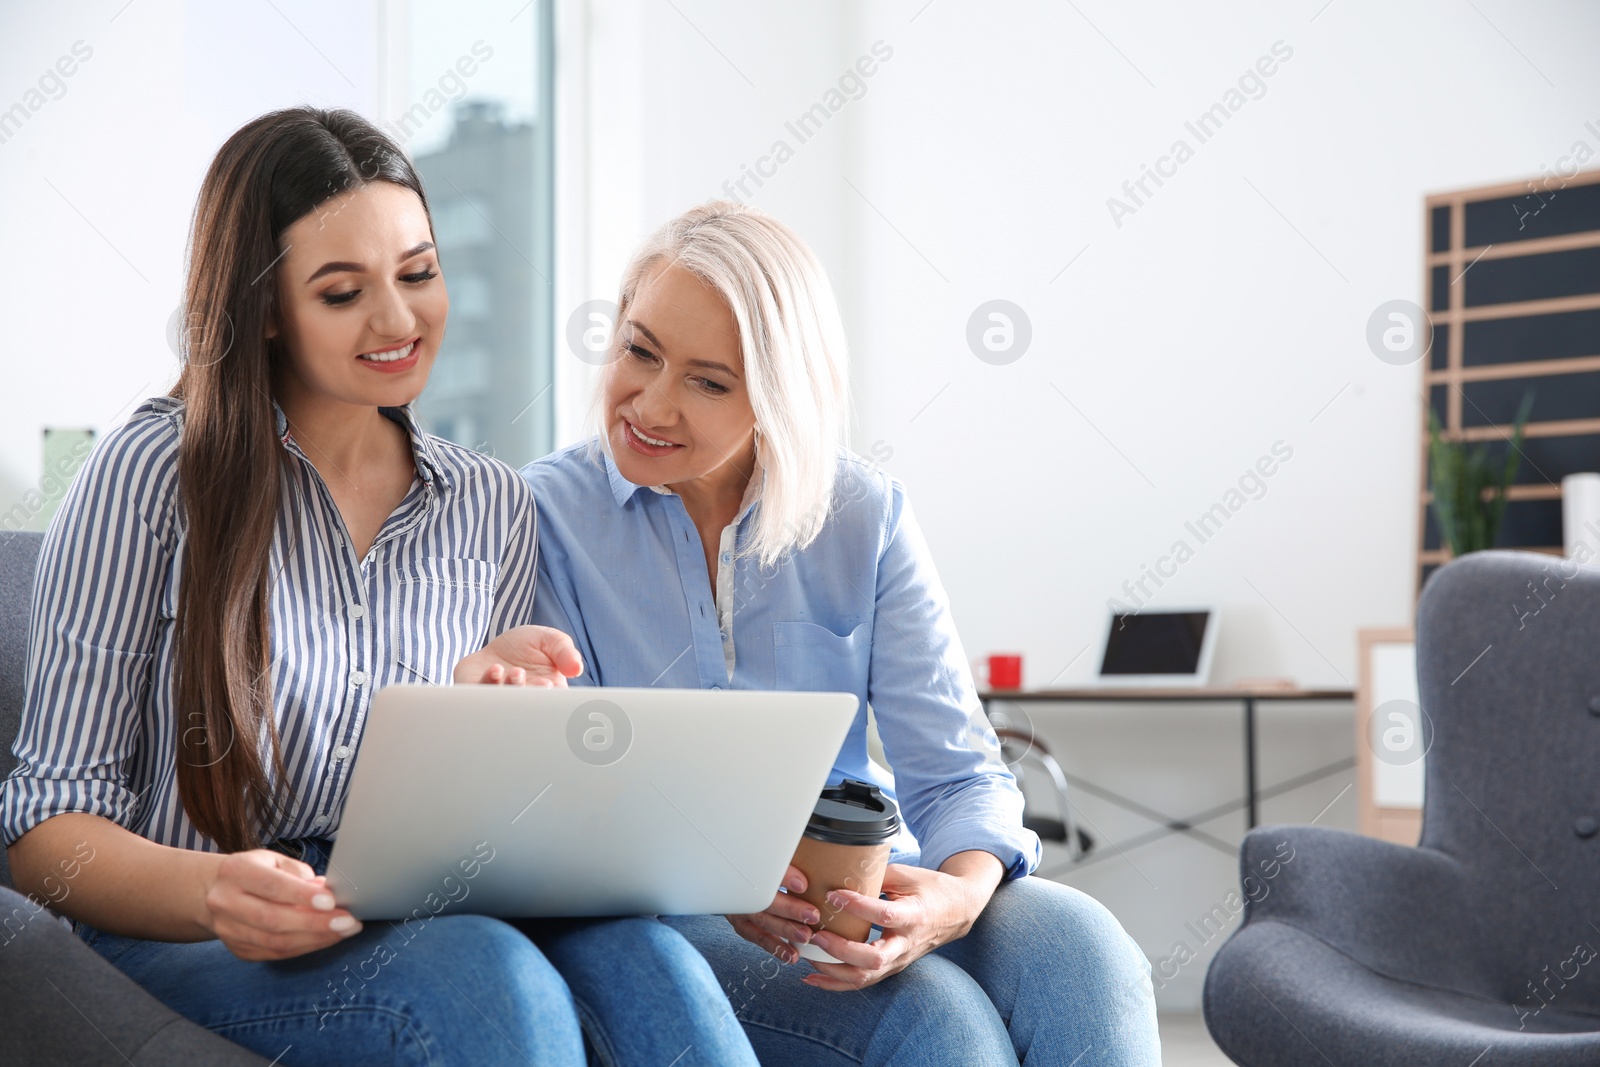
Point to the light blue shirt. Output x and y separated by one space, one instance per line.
860 610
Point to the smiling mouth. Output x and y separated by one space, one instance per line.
647 439
390 355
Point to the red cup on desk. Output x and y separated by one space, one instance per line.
1002 671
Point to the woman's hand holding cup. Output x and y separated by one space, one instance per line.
845 848
786 922
925 909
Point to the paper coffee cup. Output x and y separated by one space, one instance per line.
846 846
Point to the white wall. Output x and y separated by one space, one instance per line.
1202 330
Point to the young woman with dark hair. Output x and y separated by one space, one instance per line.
234 573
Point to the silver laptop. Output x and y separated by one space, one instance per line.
514 801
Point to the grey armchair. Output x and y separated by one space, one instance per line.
59 1001
1481 945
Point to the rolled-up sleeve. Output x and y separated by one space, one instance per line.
104 565
954 789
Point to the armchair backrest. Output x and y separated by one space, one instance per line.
1508 662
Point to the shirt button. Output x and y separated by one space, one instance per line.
357 611
341 752
716 687
358 677
727 557
320 820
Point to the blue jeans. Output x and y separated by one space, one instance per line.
454 989
1046 977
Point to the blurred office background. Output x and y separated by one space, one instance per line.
1184 311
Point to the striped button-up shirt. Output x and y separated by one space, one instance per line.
453 566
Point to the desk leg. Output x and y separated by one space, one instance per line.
1250 760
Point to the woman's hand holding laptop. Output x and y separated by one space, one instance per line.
264 905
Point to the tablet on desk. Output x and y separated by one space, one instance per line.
1171 648
525 802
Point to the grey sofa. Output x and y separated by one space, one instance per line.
62 1002
1482 945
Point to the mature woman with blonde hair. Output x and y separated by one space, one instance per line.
717 534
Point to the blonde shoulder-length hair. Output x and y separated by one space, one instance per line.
795 364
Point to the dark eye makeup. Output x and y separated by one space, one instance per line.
415 278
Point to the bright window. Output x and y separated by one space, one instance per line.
469 96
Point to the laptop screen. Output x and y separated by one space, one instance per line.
1155 642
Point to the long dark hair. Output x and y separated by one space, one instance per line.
271 173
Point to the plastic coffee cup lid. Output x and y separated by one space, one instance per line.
853 813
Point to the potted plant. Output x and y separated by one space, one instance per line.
1469 485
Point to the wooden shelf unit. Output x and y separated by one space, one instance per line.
1512 283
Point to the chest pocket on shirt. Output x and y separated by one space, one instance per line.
815 659
442 612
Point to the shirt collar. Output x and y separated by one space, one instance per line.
623 490
424 453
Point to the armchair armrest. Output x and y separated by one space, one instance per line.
51 984
1403 912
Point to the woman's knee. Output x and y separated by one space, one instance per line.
463 969
620 958
1066 975
645 994
648 937
1074 924
492 954
937 1013
1061 939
